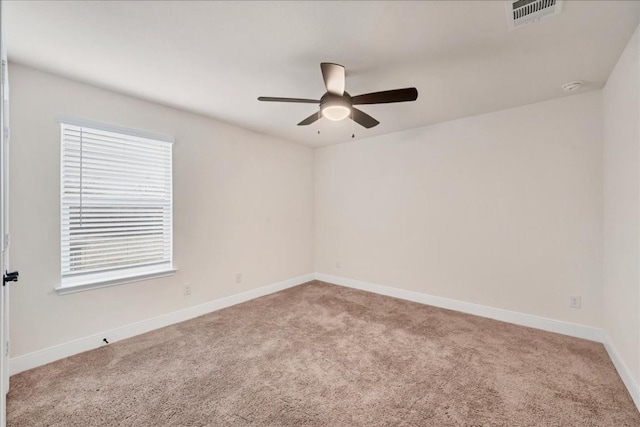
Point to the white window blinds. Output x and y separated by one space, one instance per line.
116 205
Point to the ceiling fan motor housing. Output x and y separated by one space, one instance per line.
336 107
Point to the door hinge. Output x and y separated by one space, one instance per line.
6 241
6 349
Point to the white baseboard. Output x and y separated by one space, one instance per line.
537 322
623 370
57 352
51 354
546 324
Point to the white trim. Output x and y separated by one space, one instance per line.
32 360
623 370
76 121
561 327
51 354
114 281
558 326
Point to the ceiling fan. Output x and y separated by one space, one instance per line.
336 104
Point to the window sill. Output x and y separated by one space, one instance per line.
96 284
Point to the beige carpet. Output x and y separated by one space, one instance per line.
323 355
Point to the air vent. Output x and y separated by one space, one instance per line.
521 12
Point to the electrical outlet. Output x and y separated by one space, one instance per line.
238 277
338 265
575 301
186 289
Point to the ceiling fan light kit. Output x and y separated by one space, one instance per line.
336 108
336 104
336 112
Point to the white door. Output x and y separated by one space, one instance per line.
4 222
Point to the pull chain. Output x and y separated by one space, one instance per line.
353 135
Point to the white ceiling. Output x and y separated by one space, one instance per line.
216 58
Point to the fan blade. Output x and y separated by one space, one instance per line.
333 75
387 96
363 118
300 100
312 118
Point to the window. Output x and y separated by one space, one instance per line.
116 205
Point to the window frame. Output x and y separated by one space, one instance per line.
117 276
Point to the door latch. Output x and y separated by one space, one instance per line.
10 277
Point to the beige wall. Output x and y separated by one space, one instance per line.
621 98
243 203
502 209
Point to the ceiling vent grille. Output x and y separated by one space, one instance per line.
521 12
